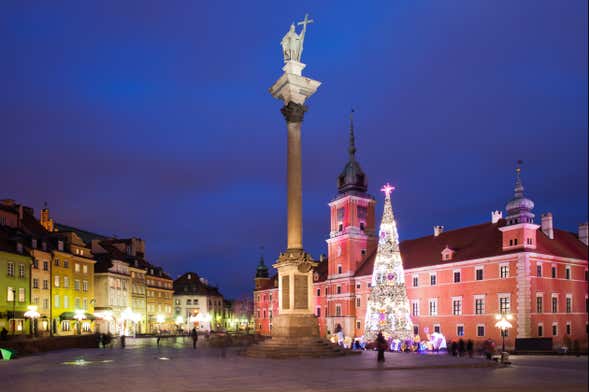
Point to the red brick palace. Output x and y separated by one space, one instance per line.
457 280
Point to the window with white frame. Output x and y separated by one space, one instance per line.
415 279
456 276
433 307
339 268
357 302
540 330
437 328
460 330
77 267
504 303
66 282
358 324
432 279
479 304
569 303
554 303
10 271
319 292
338 310
567 272
415 307
457 306
504 271
539 270
21 271
479 273
480 330
553 270
84 285
21 294
56 280
10 294
56 301
554 329
66 301
539 303
338 289
65 325
568 328
84 269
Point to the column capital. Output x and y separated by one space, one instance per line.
293 112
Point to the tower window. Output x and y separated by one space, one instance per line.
362 226
339 269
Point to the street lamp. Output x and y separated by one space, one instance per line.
33 315
503 324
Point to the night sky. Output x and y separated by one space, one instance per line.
153 119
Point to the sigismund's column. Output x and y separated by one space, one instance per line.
295 281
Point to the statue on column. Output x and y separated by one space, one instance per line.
292 43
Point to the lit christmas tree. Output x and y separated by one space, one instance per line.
388 307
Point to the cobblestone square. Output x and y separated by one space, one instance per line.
175 366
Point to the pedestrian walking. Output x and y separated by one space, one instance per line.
470 347
454 348
194 335
123 337
381 345
461 347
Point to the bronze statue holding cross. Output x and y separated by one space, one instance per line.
292 43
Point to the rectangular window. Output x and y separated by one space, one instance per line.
415 280
358 302
77 303
479 273
85 269
339 269
554 329
318 311
480 330
457 307
568 329
45 303
10 294
66 282
504 306
35 283
76 284
415 308
45 266
340 219
437 328
358 324
539 270
415 329
21 294
567 273
56 301
569 304
504 271
456 276
540 330
56 281
319 292
77 267
339 289
21 271
553 271
338 310
66 301
357 285
460 330
539 304
554 304
65 325
66 264
10 271
433 307
479 305
84 285
432 279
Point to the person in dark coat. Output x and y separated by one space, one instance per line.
461 347
381 345
470 347
4 334
123 337
194 336
454 348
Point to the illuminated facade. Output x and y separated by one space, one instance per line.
197 304
457 280
159 292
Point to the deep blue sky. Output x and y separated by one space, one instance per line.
153 119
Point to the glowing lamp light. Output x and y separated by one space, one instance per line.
79 314
160 318
179 320
32 312
105 315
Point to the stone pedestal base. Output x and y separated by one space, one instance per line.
295 326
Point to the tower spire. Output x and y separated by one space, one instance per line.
352 147
519 209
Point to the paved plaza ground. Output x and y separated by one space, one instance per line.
175 366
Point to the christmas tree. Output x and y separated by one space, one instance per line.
388 307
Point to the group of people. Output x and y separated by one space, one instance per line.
460 348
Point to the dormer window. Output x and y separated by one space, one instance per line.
447 253
19 248
60 246
34 243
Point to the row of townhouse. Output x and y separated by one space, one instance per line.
59 280
457 281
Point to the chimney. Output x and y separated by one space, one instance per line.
584 233
496 215
547 227
438 230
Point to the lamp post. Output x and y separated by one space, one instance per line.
503 324
13 311
33 315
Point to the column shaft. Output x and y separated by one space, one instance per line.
294 187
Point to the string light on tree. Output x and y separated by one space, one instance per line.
388 307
